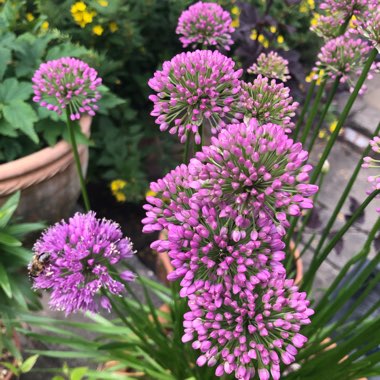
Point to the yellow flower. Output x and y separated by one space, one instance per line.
352 24
80 6
29 17
150 193
117 186
310 77
261 38
235 11
235 23
322 134
333 126
253 35
45 26
311 4
113 26
103 3
88 17
280 39
314 20
98 30
266 44
273 29
120 197
320 77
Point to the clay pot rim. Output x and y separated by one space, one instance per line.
35 161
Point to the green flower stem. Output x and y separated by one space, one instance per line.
344 115
310 275
309 95
324 112
344 196
186 152
74 146
198 147
313 112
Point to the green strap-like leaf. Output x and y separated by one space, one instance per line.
4 282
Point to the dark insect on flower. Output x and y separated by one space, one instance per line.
38 264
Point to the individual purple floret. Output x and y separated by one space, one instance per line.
271 65
76 258
344 57
268 102
208 243
67 83
252 167
196 88
373 163
205 24
250 333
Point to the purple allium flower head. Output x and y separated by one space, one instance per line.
254 167
347 8
272 66
369 26
373 163
327 26
343 56
250 332
79 253
195 87
208 243
268 102
67 83
206 24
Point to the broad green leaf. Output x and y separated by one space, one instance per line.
7 129
23 117
9 240
8 208
11 90
28 364
78 373
4 281
5 57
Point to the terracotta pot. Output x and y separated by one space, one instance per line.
47 179
164 267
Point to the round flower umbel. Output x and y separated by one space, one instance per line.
252 168
272 66
205 24
369 26
373 163
327 26
348 8
249 333
67 84
75 261
196 88
343 56
268 102
210 242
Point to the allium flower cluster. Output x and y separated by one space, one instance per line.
205 24
373 163
343 57
193 88
327 26
67 83
249 332
369 26
76 257
268 102
348 8
272 66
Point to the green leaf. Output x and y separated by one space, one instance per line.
23 117
8 208
4 281
5 57
9 240
7 129
28 364
10 366
58 377
11 89
78 373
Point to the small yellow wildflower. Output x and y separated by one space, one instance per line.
81 15
352 24
80 6
113 26
310 76
45 26
315 19
117 186
29 17
253 35
88 17
98 30
333 126
273 29
261 38
235 10
322 134
235 23
280 39
266 44
103 3
150 193
320 77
